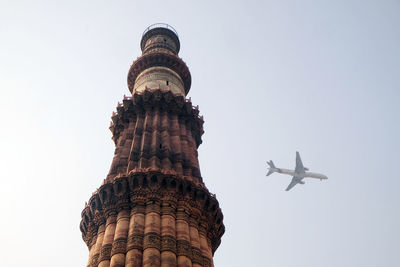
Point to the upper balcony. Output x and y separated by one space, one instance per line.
160 37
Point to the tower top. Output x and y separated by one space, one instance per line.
160 36
159 66
153 206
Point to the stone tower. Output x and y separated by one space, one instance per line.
153 208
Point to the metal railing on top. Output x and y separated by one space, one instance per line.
160 25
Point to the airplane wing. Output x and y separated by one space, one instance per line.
299 164
292 183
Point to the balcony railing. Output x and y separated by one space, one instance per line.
160 25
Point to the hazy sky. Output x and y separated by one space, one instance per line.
270 77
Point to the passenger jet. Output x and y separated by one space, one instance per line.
298 174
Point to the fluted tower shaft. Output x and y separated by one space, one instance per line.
153 208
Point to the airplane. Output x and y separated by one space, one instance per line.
298 174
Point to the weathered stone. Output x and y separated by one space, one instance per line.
153 208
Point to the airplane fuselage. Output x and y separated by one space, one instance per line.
300 175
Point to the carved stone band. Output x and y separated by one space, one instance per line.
168 243
184 248
135 241
197 257
95 260
119 246
105 253
152 240
206 262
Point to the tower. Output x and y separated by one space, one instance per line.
153 208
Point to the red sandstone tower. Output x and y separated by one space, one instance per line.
153 208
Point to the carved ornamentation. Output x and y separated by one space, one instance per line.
184 248
207 262
173 104
105 253
209 215
152 240
119 246
159 31
167 209
163 60
155 168
168 243
135 241
95 259
197 257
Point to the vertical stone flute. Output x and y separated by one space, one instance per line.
153 208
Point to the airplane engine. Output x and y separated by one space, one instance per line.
301 182
306 169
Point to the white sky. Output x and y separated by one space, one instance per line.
270 77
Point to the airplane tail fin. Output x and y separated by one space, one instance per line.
271 167
271 164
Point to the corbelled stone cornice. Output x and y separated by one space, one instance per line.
156 188
163 60
163 99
